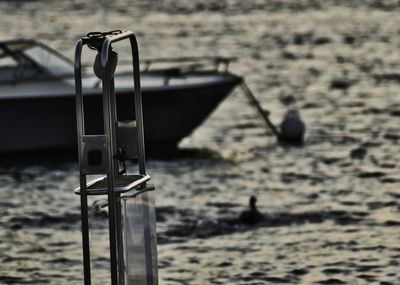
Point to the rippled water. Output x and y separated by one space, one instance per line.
332 203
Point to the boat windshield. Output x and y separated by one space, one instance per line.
8 65
28 60
49 60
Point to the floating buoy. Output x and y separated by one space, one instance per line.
292 128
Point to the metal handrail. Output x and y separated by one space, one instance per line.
215 60
182 63
102 43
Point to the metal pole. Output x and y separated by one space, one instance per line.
147 242
118 226
142 160
85 232
138 104
120 244
81 130
110 174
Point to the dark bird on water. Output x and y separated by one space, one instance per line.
251 216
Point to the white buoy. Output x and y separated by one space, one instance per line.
292 128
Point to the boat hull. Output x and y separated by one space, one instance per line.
49 123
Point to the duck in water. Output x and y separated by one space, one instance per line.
251 216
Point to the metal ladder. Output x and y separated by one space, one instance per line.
103 153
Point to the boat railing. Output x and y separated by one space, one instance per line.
180 65
210 63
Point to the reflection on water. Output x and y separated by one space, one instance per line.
333 214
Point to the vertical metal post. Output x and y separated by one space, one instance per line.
109 130
147 243
81 130
85 233
141 146
138 104
120 244
118 217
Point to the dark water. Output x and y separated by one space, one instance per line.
332 204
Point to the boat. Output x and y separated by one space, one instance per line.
37 95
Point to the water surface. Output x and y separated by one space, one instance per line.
333 201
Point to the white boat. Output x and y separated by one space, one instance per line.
37 97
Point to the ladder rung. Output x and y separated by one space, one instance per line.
123 183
